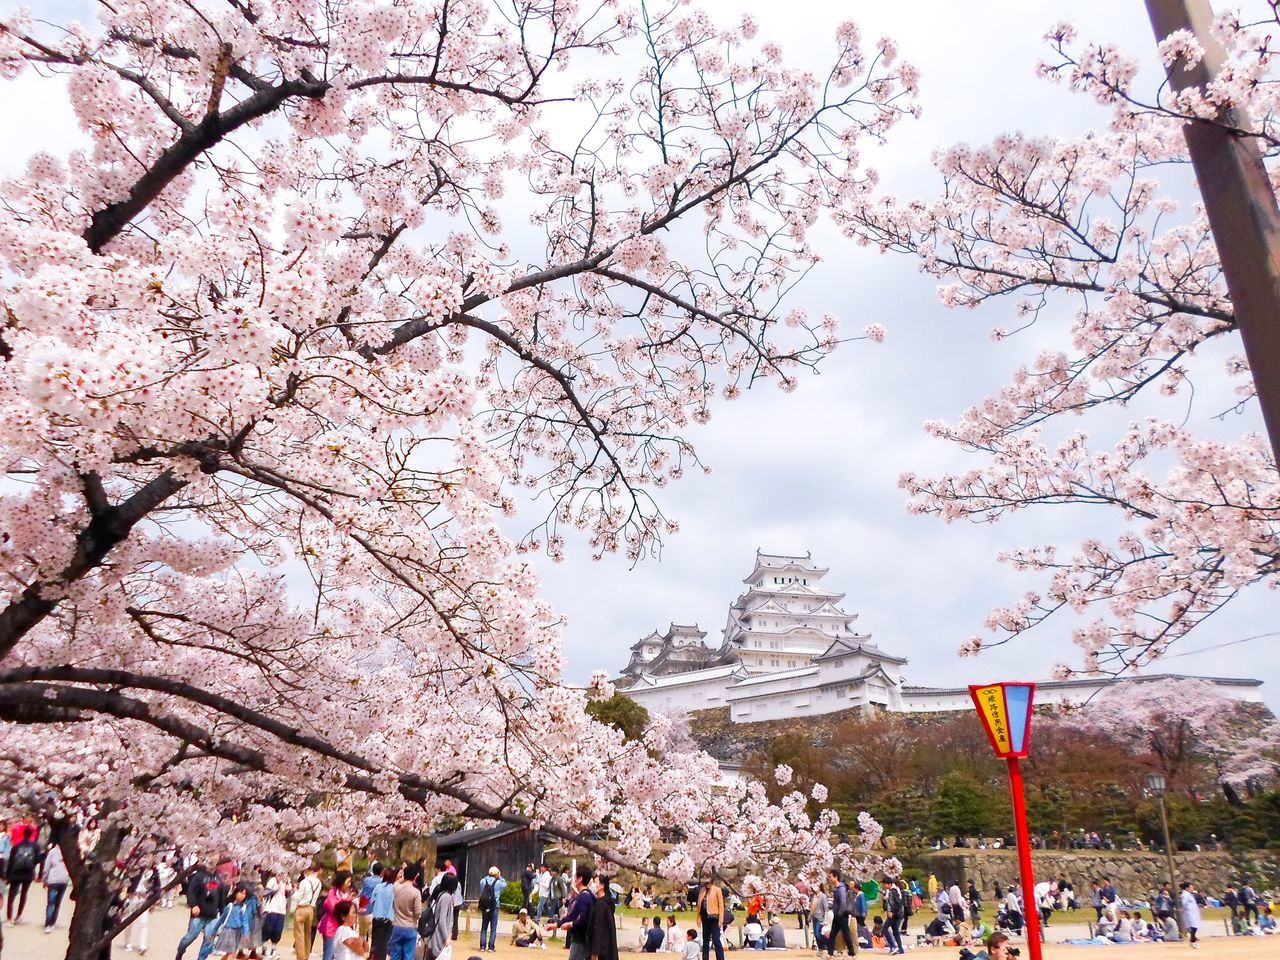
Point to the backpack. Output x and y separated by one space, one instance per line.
487 899
23 858
427 920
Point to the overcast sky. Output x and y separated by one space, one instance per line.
817 470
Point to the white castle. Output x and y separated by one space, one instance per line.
790 650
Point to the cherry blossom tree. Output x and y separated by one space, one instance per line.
1092 228
1183 727
275 368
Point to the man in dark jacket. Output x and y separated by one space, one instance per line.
602 931
841 909
578 917
206 896
895 907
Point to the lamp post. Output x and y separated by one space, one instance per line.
1156 787
1005 712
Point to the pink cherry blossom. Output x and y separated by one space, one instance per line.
1122 289
275 369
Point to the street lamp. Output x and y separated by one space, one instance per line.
1156 787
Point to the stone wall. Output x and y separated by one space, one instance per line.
1134 873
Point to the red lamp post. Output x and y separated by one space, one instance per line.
1005 711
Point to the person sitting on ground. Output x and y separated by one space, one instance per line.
863 935
1267 921
642 937
1108 922
775 937
939 929
1124 929
675 936
752 932
692 949
1169 929
655 939
525 933
877 934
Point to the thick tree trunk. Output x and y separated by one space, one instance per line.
93 896
91 888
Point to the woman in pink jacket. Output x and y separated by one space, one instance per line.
342 889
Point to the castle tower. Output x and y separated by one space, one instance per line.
786 617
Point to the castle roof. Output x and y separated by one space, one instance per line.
844 646
782 561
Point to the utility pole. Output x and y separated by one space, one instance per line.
1240 204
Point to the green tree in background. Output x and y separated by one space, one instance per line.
622 713
965 806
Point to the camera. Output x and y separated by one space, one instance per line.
1015 952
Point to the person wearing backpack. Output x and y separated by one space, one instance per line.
895 907
406 908
840 911
435 925
491 888
1248 901
24 858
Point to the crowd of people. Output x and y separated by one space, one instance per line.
410 912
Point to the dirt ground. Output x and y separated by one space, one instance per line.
27 941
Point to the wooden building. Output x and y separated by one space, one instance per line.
506 846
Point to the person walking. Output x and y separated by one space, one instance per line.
144 890
206 896
542 886
895 909
710 911
1189 910
20 872
819 908
602 933
275 907
955 899
382 910
490 896
234 926
437 944
841 910
364 904
304 912
406 907
858 904
577 918
1248 901
56 880
342 891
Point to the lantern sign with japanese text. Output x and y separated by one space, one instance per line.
1005 711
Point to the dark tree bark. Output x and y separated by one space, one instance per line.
92 891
